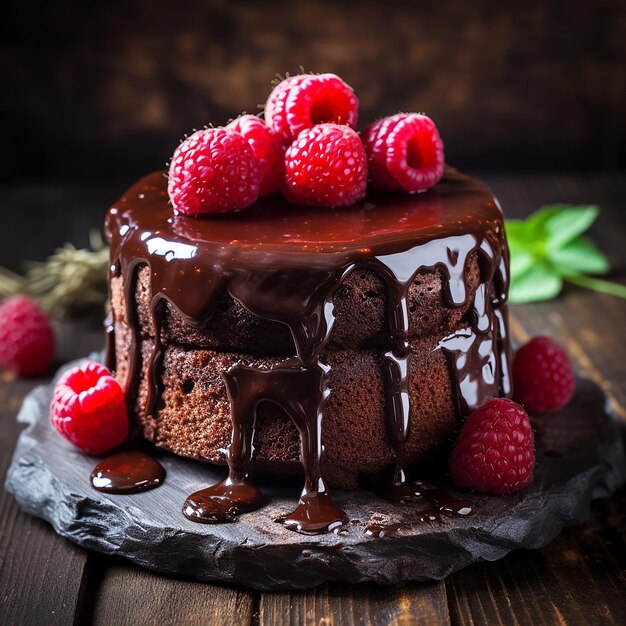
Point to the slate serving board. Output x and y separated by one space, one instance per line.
579 453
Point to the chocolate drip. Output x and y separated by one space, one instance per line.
127 472
504 349
478 355
134 365
395 367
110 360
247 387
284 264
398 271
474 365
157 311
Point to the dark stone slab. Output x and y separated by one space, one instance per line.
580 457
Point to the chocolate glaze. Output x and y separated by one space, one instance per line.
127 472
284 264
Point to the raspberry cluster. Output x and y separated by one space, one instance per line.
308 148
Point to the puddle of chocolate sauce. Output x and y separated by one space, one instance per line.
222 502
127 472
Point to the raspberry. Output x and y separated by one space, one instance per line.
88 409
265 148
213 171
495 450
275 114
543 379
404 152
301 102
26 337
326 166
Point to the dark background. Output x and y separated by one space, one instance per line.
105 89
95 94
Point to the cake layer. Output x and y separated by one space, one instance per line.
193 416
360 310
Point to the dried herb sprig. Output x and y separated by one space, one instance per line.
70 282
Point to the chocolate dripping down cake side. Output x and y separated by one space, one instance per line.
342 342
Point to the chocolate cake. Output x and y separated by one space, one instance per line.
333 342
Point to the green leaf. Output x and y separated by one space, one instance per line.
515 229
534 227
563 226
539 218
546 248
580 255
535 284
520 258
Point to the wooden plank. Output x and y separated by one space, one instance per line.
122 593
580 578
40 573
330 604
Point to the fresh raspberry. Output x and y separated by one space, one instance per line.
265 148
326 166
405 152
495 450
543 379
213 171
88 408
301 102
275 113
26 337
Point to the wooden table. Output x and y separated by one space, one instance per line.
580 578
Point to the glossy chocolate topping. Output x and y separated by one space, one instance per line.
285 263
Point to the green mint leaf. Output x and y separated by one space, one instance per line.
546 249
516 229
535 284
578 256
535 231
538 219
564 225
520 258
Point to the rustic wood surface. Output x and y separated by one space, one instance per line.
580 578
